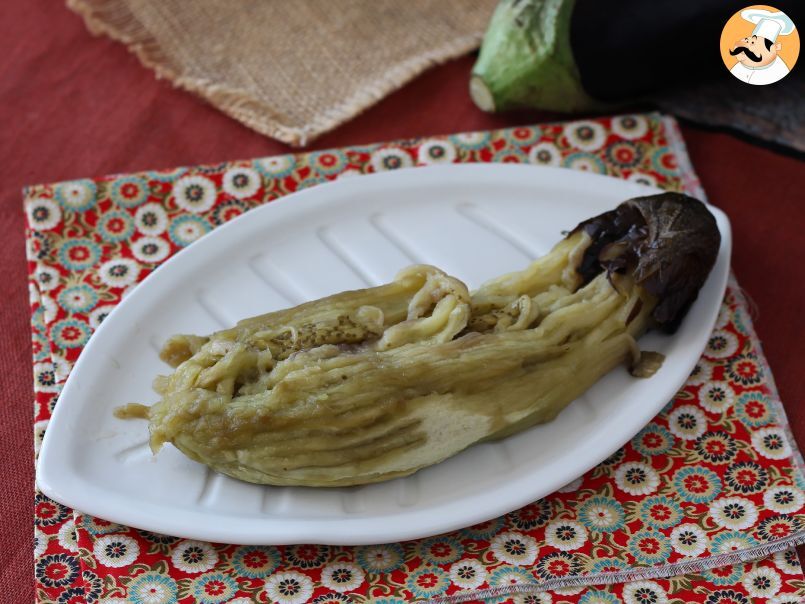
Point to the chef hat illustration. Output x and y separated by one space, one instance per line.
769 25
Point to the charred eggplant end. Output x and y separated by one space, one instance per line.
668 242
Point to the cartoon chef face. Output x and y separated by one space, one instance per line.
755 51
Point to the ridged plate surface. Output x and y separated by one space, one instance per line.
474 221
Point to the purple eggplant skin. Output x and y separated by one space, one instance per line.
669 242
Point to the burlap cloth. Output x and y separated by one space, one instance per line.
290 69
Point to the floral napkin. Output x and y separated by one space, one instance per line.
703 505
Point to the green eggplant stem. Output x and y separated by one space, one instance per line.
526 60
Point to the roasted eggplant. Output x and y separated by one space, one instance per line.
369 385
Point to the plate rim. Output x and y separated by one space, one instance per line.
323 530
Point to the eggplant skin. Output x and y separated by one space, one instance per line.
668 241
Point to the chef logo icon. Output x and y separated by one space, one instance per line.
759 45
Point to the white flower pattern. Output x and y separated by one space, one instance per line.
342 577
687 422
40 543
643 592
762 582
783 499
545 154
585 135
787 562
43 214
436 151
150 249
151 219
67 536
734 513
50 308
47 278
99 314
702 373
565 535
689 540
716 397
630 127
195 194
642 179
39 433
241 183
721 345
771 443
390 158
289 588
33 294
45 379
115 551
514 548
194 556
119 272
785 599
275 166
468 573
61 366
636 478
75 195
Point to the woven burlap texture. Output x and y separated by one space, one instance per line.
290 69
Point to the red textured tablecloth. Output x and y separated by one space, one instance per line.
76 106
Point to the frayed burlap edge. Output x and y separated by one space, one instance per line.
114 19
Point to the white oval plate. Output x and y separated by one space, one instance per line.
475 221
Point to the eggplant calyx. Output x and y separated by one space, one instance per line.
669 242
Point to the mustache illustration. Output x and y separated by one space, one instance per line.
752 56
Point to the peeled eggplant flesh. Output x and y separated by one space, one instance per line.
369 385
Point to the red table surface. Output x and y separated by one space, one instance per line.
76 106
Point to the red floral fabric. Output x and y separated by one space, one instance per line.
703 505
